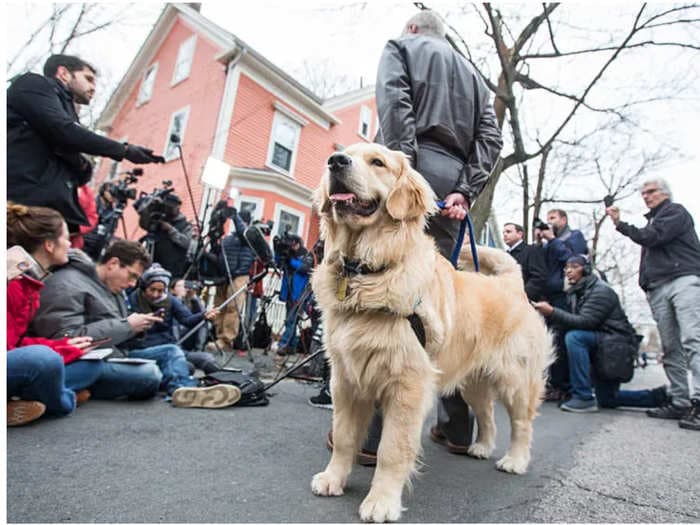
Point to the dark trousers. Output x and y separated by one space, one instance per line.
559 369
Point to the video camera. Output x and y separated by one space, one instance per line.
158 206
283 245
219 215
120 191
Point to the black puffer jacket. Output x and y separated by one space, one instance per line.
670 246
594 307
434 106
44 145
239 255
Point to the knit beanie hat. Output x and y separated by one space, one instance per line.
577 259
156 273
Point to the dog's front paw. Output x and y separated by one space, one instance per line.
325 484
512 465
378 509
480 450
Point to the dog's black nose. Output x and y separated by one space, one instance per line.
339 161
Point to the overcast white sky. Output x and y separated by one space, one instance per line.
347 37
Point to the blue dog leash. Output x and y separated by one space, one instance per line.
466 222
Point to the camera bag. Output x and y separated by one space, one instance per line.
615 356
252 389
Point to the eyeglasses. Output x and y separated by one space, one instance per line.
649 191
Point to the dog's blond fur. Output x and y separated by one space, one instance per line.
483 338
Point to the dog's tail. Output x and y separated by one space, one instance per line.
491 261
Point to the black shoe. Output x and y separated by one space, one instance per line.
661 396
669 411
323 399
691 420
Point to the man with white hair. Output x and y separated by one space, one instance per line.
669 273
434 106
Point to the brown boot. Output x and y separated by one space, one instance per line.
22 412
82 397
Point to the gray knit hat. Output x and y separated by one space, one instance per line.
156 273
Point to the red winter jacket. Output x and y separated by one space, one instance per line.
22 304
86 199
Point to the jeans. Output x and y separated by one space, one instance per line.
675 306
134 382
37 373
289 338
204 361
172 363
580 344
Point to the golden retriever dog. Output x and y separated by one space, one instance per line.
482 337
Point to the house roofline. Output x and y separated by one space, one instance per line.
230 45
268 180
349 98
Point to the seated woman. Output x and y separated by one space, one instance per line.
152 297
42 374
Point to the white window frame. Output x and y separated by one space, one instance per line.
144 97
186 111
278 119
259 204
279 208
182 58
365 118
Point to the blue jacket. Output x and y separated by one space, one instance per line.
557 252
296 274
162 333
234 247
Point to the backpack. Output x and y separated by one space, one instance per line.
252 389
262 333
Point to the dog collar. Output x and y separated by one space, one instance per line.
353 267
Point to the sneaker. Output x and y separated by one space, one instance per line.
22 412
285 350
579 405
81 397
441 439
323 399
691 420
364 457
669 411
217 396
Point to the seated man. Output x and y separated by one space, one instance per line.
152 297
82 298
595 308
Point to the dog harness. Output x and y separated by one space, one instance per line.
353 267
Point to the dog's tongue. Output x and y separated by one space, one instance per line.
342 196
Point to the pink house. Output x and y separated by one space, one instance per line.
229 103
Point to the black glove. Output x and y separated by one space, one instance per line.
141 155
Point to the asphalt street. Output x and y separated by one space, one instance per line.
150 462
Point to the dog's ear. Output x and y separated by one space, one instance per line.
321 199
411 197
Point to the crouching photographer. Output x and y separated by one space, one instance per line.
296 263
169 232
597 330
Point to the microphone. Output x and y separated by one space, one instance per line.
175 138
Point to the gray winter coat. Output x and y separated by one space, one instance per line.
434 106
75 302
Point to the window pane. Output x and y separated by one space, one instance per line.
288 223
286 134
184 59
249 207
282 157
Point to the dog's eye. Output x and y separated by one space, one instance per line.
377 162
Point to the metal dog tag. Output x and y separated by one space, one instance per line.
342 288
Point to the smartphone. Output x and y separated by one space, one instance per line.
160 312
97 343
608 200
19 262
